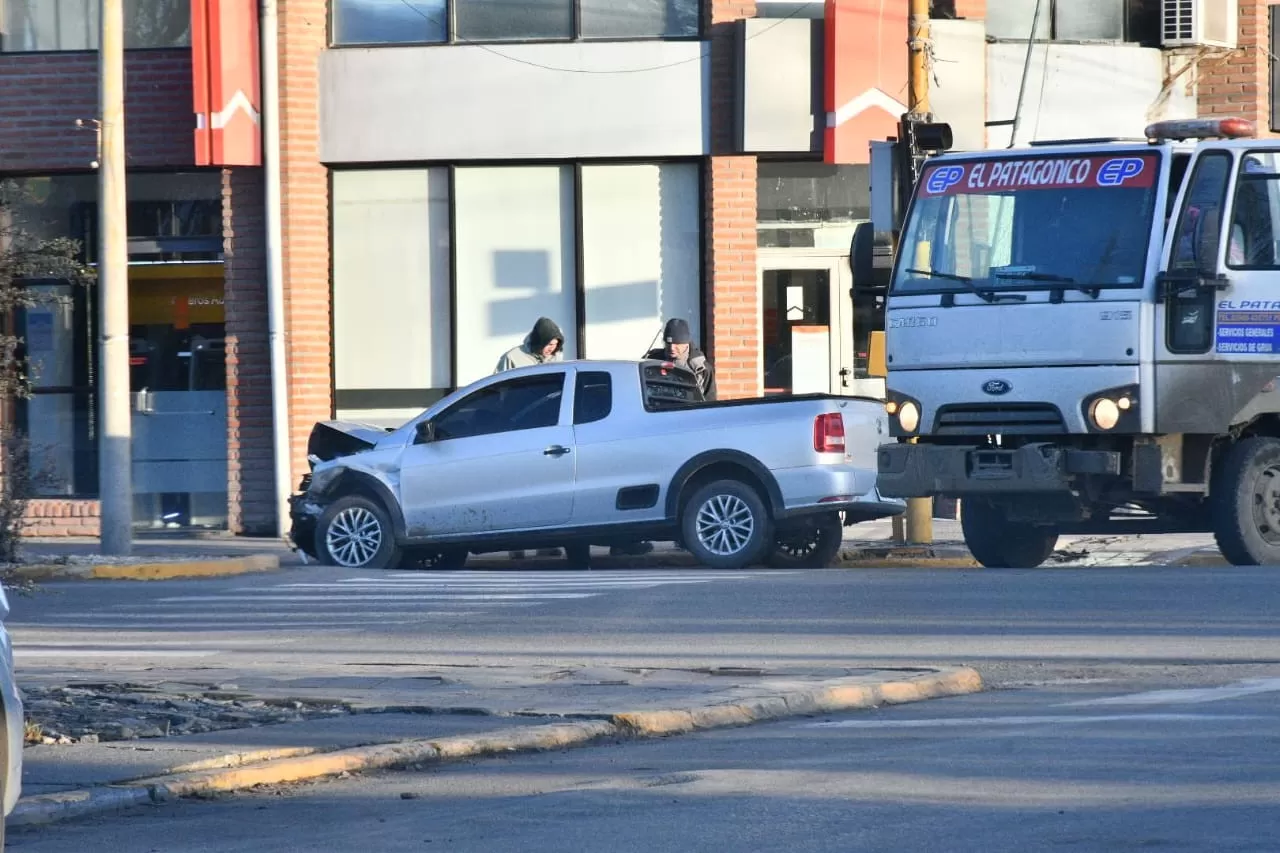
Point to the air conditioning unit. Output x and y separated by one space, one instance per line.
1199 23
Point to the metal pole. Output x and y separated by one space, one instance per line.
919 515
1026 71
281 450
115 443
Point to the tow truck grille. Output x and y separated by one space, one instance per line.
1005 419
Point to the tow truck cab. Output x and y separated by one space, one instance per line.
1085 337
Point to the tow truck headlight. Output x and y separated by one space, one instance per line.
1113 410
909 416
1105 413
904 414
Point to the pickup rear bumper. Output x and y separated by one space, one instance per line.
925 470
832 488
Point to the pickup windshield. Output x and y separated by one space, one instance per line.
1045 222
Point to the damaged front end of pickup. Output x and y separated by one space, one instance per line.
329 440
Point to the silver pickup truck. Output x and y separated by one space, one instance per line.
583 453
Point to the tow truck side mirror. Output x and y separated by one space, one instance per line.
862 254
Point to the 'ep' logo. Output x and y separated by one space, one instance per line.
943 178
1116 171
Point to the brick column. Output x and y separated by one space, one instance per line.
1236 83
732 298
305 198
250 479
974 9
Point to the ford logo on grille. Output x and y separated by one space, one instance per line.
996 387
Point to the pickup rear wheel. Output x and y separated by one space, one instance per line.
998 543
1244 501
726 525
355 533
810 542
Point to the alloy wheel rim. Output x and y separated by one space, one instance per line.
725 525
354 537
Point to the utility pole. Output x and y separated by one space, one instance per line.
115 450
919 516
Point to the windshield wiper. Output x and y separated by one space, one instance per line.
986 295
1092 292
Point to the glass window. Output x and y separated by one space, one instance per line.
1089 20
64 25
1254 239
639 18
527 403
1030 223
514 230
1199 229
1012 19
513 20
390 292
592 397
641 254
390 21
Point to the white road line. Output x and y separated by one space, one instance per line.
20 653
1189 696
1020 721
543 596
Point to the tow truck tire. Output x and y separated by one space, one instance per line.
998 543
726 525
1244 503
355 533
811 542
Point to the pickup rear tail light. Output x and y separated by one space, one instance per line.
828 433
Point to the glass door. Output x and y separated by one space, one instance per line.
806 323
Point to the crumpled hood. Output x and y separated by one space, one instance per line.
331 439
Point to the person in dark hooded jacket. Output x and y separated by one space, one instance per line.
681 349
544 343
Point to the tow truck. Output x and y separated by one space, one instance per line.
1084 337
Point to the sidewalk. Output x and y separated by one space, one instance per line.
76 780
864 545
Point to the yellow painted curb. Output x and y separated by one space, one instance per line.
215 567
828 697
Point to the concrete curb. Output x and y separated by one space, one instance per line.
168 570
831 696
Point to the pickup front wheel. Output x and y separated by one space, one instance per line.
355 533
726 525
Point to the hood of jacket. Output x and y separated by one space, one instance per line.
544 332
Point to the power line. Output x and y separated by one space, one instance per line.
701 54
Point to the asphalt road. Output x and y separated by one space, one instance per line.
1019 627
1022 767
1007 771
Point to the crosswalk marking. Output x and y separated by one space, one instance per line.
375 599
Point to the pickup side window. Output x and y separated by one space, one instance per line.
531 402
592 397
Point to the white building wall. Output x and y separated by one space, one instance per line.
1083 90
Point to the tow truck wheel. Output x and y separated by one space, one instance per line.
1245 503
998 543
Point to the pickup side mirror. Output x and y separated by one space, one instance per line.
425 433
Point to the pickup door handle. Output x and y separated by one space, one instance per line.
555 450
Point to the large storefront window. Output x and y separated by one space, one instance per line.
31 26
608 251
428 21
391 291
176 340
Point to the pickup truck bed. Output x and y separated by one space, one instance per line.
580 453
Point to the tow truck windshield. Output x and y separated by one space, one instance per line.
1043 222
